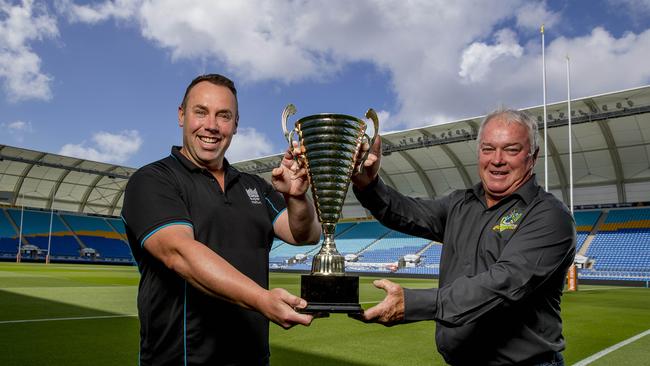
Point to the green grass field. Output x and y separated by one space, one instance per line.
85 315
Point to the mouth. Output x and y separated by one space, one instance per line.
209 140
498 173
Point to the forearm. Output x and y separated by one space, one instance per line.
210 273
302 219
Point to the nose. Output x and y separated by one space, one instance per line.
497 157
211 125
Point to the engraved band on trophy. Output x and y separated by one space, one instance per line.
330 143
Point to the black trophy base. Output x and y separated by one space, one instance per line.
330 294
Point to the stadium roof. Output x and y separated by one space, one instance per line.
50 181
611 161
611 153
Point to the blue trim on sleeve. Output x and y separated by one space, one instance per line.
164 226
278 216
272 205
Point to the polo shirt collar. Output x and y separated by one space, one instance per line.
231 172
527 192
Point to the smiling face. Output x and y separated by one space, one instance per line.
209 120
505 161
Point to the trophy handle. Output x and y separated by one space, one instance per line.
370 114
289 110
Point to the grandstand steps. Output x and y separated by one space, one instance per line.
432 242
123 237
72 232
592 234
375 241
16 228
346 230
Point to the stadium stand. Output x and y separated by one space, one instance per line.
72 238
8 237
620 248
36 232
97 234
585 221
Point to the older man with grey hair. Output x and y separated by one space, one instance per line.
507 245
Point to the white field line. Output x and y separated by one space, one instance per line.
72 318
613 348
605 288
67 287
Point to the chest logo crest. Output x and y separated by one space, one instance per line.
508 222
253 196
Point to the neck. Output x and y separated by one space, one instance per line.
212 166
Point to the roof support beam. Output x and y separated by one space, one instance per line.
612 148
431 192
459 165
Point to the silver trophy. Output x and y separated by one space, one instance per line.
330 143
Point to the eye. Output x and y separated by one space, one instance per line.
512 150
487 149
200 112
224 116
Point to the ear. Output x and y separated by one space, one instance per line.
534 158
236 124
181 116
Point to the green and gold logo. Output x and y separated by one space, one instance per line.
508 222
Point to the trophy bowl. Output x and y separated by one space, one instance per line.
330 142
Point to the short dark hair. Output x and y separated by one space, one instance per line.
215 79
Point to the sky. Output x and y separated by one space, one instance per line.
102 80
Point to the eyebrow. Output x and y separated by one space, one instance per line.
200 106
507 145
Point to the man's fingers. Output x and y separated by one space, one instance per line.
383 284
371 314
376 147
276 172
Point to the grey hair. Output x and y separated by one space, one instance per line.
510 116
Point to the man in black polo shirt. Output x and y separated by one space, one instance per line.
507 245
201 232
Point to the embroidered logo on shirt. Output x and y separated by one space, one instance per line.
254 196
508 222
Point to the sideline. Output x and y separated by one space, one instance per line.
73 318
613 348
604 288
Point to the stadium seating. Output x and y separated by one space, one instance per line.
36 231
620 249
8 237
585 221
98 234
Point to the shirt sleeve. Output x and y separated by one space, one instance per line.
152 200
424 218
539 251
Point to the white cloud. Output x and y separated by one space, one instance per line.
533 14
478 56
446 60
600 61
17 129
20 66
106 147
248 143
94 13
